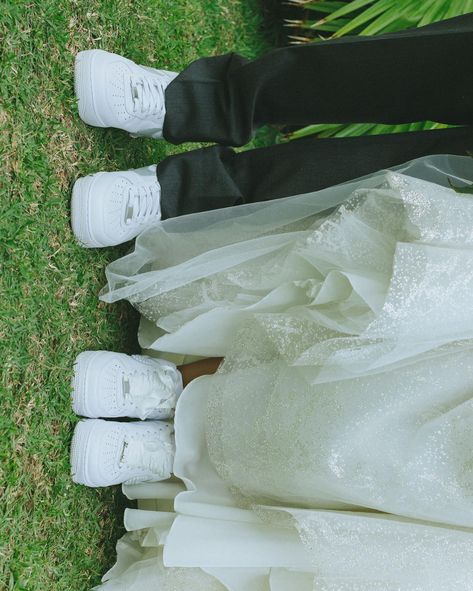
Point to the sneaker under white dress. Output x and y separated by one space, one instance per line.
111 385
113 91
109 208
104 453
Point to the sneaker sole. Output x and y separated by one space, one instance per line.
80 451
79 384
83 85
80 211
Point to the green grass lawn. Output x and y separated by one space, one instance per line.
54 535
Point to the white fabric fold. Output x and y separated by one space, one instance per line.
345 318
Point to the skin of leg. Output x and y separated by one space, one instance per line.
191 371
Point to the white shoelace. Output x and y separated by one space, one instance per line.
151 455
147 94
143 203
151 389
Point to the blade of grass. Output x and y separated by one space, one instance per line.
327 27
466 190
419 126
348 9
357 129
456 7
367 15
327 134
314 129
398 25
289 22
381 23
299 40
410 16
328 7
432 125
435 12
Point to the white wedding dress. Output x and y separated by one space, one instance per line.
333 450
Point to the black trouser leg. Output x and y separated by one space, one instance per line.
414 75
216 177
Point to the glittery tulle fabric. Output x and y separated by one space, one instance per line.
346 321
378 552
339 551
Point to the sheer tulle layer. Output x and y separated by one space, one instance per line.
346 322
375 277
293 549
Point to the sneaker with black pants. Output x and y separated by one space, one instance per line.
409 76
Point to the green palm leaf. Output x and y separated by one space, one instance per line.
347 9
329 7
380 7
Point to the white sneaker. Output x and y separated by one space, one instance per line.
104 453
109 208
111 385
113 91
